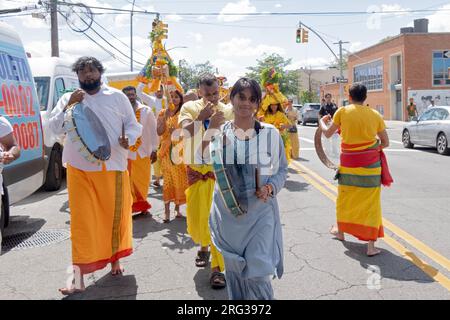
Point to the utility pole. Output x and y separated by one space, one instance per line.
54 28
131 37
341 69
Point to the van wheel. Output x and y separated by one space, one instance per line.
2 225
54 175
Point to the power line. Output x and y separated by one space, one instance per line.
316 13
101 46
103 38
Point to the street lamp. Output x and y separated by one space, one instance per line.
177 47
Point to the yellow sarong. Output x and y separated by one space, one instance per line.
199 199
100 217
139 170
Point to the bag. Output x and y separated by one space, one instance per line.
293 129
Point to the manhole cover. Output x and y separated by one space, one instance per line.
37 239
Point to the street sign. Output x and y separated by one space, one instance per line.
447 54
339 80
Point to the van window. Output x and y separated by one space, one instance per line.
43 89
59 91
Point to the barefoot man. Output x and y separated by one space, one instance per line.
99 193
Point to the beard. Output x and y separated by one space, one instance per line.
90 86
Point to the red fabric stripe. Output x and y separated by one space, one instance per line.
363 159
86 268
141 206
363 233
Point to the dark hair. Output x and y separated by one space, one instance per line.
278 108
181 99
207 79
83 62
358 92
247 83
328 95
129 88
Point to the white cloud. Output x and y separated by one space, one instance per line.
394 7
355 46
174 17
229 69
202 18
313 63
243 6
243 47
122 20
439 21
278 5
197 37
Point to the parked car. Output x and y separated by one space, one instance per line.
310 113
20 105
299 109
431 129
53 77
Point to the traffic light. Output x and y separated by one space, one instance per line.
299 36
305 35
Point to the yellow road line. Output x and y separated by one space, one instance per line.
419 245
306 174
429 270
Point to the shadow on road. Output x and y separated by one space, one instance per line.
19 225
203 288
295 186
390 265
177 236
109 288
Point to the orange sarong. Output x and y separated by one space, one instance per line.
100 212
139 170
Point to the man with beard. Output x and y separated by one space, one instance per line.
99 193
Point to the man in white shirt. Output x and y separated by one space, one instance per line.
156 103
9 150
99 193
142 154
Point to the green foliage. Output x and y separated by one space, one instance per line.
308 97
289 82
189 74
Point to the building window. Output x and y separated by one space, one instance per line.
441 68
370 75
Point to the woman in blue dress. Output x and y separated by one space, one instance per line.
249 238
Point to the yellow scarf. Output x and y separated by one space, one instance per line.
138 143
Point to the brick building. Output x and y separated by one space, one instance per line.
415 64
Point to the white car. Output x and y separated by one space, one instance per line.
431 129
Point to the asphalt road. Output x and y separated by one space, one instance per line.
414 263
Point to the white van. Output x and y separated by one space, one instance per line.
53 77
20 105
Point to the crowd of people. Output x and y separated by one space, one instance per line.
192 139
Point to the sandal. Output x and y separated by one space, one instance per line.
217 280
202 259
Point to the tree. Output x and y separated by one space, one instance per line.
335 63
308 97
289 84
189 74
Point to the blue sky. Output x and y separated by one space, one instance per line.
230 43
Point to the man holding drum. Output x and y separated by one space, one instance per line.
97 178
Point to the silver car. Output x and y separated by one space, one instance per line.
310 113
431 129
